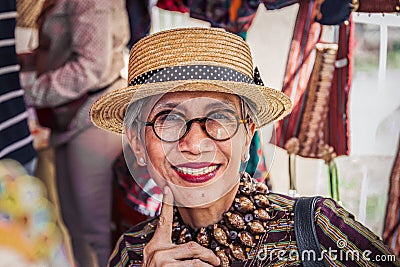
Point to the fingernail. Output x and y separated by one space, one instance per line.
219 261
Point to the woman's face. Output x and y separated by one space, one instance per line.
198 169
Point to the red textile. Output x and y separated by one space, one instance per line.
298 69
338 132
173 5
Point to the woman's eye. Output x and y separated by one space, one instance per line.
224 115
169 117
172 117
218 116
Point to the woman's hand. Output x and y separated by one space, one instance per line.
160 251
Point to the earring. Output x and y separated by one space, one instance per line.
246 157
142 161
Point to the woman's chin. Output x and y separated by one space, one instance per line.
201 197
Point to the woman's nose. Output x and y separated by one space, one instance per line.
196 140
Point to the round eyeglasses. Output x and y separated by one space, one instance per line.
219 125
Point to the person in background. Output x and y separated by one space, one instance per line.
16 141
79 57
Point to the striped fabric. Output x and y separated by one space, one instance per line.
338 130
298 70
16 141
343 240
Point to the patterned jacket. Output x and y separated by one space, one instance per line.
343 240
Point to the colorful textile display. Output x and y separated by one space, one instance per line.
237 15
391 233
296 83
233 15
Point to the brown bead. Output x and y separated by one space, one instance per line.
235 220
203 237
246 238
261 201
176 230
243 204
262 188
238 252
246 188
246 177
185 236
261 214
220 235
256 227
225 262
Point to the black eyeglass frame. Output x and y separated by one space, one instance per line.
201 120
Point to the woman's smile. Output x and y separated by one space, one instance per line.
197 172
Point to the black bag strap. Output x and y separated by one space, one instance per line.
306 235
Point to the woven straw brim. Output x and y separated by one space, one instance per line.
108 112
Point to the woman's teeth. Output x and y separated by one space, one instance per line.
196 172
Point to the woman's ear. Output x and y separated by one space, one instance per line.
136 145
251 129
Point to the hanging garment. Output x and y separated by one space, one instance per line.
296 83
298 70
338 126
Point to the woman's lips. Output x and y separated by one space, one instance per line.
197 174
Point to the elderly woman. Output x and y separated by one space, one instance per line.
192 105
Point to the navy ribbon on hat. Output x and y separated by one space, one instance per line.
196 72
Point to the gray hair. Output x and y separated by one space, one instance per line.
132 114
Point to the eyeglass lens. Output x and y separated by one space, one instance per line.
218 125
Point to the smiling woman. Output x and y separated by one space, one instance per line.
189 112
188 143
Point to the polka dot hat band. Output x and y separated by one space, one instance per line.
190 59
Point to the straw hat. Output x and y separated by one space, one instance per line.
190 59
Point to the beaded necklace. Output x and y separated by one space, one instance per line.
240 228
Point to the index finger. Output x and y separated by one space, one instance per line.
164 227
